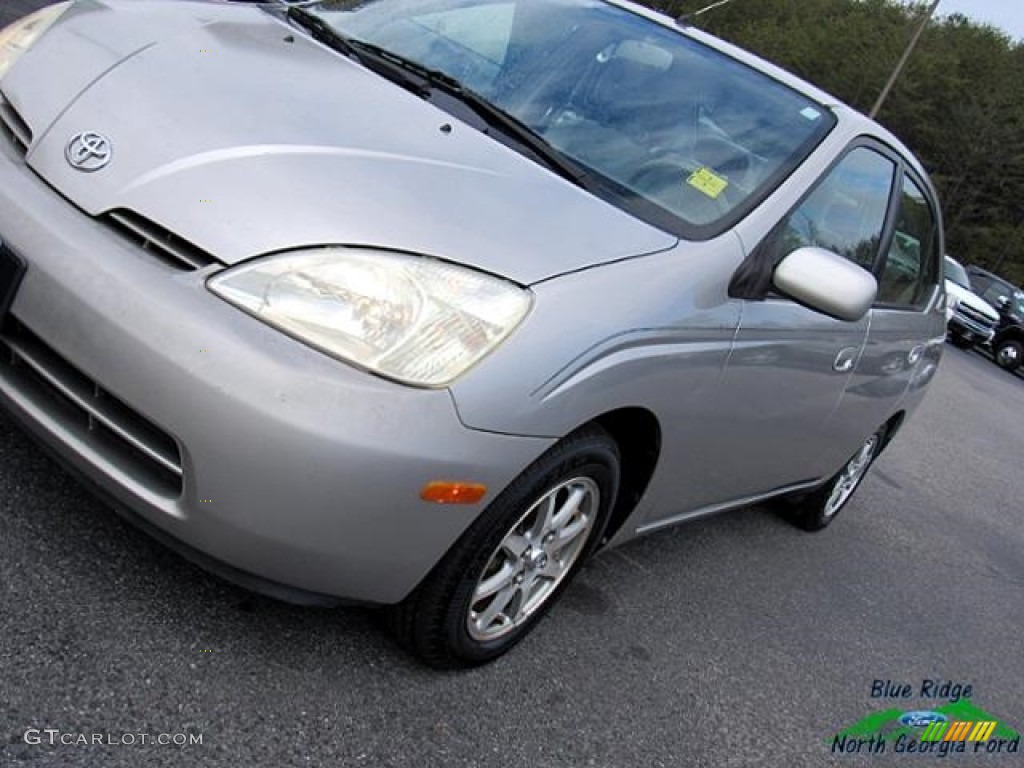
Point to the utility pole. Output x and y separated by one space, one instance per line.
903 59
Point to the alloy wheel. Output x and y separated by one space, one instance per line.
533 558
851 476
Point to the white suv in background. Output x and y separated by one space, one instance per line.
970 319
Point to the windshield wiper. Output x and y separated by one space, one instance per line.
371 56
515 129
398 68
322 31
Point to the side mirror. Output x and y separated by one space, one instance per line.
826 282
1003 303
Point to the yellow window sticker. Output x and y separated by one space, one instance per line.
708 182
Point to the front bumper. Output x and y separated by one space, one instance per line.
969 328
223 433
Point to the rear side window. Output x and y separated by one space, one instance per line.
911 269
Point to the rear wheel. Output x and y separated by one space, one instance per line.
816 510
514 561
1009 354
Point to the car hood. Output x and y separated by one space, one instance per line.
972 300
244 137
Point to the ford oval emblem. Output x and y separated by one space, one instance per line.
88 151
922 718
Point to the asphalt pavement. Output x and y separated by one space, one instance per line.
735 641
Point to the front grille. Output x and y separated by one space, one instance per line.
972 314
14 127
159 241
109 428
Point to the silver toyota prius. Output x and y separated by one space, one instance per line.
418 303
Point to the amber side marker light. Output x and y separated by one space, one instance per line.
445 492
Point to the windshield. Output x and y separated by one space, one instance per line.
957 274
1012 299
678 134
1017 304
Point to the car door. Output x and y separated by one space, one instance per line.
783 387
907 322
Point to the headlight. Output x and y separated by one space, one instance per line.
411 318
19 36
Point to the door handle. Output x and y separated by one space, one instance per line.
915 354
845 359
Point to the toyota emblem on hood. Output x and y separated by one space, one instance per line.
88 151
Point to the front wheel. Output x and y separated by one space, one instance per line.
1009 354
816 510
512 563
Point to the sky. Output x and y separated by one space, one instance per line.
1008 15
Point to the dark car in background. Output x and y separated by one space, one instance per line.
1008 342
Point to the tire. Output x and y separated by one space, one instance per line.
511 558
816 510
1009 354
